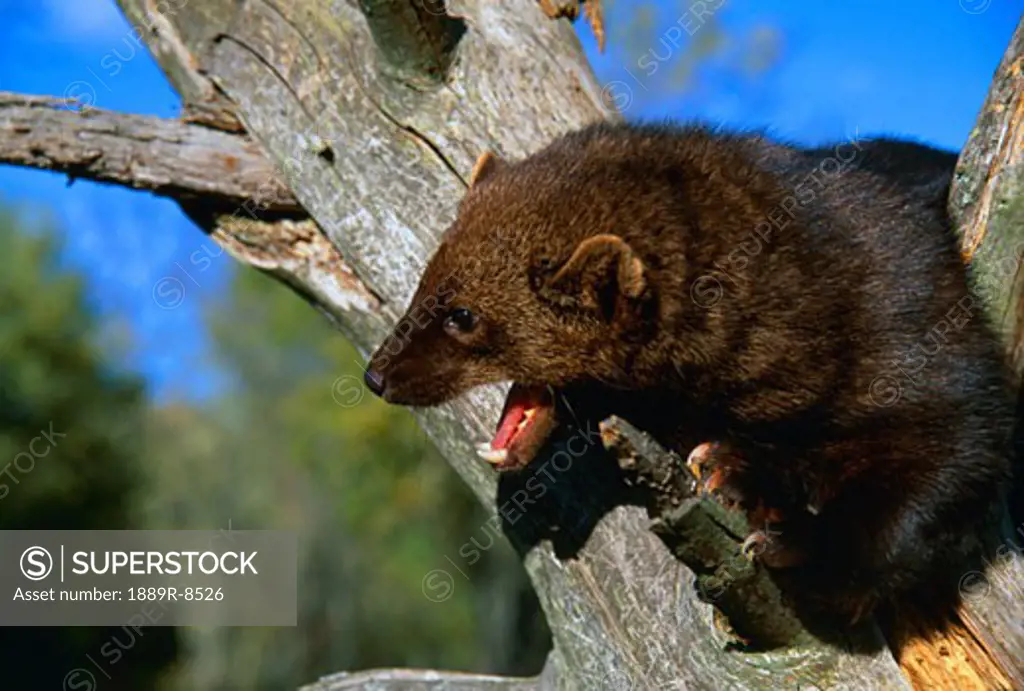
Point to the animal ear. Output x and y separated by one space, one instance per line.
488 163
603 275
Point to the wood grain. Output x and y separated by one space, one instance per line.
171 158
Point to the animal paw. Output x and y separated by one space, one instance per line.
754 545
711 471
768 547
721 623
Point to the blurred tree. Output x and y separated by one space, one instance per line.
660 46
69 445
297 446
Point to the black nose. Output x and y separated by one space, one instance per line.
374 381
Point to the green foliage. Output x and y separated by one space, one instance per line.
296 445
70 438
290 445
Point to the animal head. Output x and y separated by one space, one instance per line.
527 286
524 287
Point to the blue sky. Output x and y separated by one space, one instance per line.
917 68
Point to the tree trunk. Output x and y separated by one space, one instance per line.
374 113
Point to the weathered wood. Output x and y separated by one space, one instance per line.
380 164
987 202
986 199
168 157
203 102
420 680
417 40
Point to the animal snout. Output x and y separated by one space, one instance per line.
374 381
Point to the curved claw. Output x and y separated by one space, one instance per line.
700 458
754 545
709 479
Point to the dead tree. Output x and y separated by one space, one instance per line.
327 143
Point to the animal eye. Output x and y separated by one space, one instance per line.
459 321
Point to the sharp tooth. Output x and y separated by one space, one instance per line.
493 456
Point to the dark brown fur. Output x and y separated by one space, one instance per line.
807 308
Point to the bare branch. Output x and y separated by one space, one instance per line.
707 538
420 680
168 157
298 253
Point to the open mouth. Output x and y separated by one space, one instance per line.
526 422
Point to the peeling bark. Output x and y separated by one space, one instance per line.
987 202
